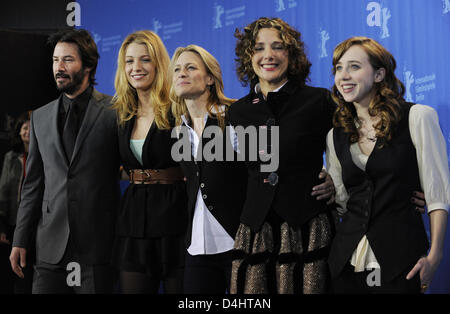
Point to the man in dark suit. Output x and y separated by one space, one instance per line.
71 189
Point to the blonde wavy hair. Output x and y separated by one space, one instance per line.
216 94
388 99
125 100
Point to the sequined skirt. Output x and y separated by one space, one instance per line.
295 265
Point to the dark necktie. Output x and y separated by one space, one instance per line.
70 130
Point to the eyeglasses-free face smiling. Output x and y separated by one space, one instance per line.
139 67
355 77
190 77
270 59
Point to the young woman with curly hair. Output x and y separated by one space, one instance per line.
285 232
381 149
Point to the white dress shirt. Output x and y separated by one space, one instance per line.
431 153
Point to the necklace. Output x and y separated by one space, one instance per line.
372 139
364 132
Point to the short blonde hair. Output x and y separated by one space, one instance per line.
216 96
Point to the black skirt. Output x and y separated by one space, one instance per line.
157 257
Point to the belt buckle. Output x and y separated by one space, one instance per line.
148 176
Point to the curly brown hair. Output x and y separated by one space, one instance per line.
299 65
388 99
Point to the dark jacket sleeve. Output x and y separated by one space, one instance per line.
4 193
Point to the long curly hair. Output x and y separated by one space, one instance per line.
299 65
388 99
125 100
216 94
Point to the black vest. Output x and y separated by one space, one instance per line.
223 186
379 204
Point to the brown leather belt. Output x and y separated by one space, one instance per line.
156 176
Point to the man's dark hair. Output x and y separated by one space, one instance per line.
86 47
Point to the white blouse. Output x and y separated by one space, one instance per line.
431 153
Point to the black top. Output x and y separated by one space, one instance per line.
304 117
223 185
80 103
379 205
151 210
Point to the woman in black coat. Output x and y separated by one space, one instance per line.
216 186
283 240
152 218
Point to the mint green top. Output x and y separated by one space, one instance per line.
136 148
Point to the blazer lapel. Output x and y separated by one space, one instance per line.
145 147
92 112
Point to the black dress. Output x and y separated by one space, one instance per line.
152 218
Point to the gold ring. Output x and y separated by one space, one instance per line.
424 287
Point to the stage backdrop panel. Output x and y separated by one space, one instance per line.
416 32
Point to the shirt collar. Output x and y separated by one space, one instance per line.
81 99
221 110
258 88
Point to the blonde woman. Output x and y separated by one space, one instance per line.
216 188
152 218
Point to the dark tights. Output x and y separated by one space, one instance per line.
137 283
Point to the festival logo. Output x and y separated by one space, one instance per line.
110 43
324 37
165 31
97 38
446 5
219 11
156 26
416 88
227 15
280 5
379 17
409 80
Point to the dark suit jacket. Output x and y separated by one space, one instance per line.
77 196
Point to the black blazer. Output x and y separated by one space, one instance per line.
223 186
78 196
304 116
151 210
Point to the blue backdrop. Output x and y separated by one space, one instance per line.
417 33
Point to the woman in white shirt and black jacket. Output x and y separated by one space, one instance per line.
381 150
216 188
